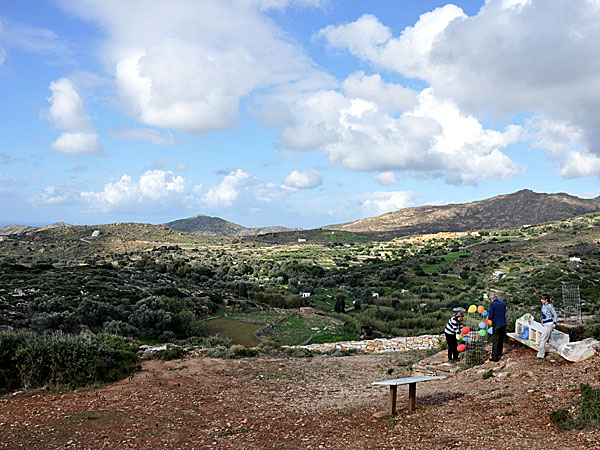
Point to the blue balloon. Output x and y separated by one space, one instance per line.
484 313
490 330
465 339
481 324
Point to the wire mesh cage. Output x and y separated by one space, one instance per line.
477 338
571 311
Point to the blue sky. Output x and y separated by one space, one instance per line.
291 112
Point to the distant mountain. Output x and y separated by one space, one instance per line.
206 225
524 207
13 230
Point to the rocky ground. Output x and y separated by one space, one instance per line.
321 402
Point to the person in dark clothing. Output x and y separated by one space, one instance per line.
451 330
497 314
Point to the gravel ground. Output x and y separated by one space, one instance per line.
316 403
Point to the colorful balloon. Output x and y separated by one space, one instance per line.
472 309
465 339
481 324
481 333
461 348
484 313
490 330
480 309
489 322
465 330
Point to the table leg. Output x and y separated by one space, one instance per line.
393 395
412 396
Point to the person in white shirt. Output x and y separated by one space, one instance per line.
549 319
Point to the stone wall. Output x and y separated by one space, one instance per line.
398 344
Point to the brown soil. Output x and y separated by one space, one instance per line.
323 402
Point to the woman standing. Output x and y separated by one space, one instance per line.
549 319
451 330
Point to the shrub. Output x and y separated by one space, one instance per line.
30 360
589 411
166 354
562 419
240 351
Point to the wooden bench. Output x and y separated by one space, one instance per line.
412 390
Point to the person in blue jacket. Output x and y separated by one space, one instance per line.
549 319
497 314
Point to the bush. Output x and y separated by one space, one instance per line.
30 360
589 411
166 355
562 419
240 351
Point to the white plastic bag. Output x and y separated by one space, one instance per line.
579 350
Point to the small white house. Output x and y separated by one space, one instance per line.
305 294
498 274
375 295
301 240
574 259
95 233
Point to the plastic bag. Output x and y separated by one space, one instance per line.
579 350
525 333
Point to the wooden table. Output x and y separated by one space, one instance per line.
412 390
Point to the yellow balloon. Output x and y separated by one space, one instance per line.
472 309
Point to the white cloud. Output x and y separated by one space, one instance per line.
186 65
432 140
372 41
32 39
385 178
382 202
154 189
67 111
77 143
150 135
227 191
181 166
51 195
513 57
303 180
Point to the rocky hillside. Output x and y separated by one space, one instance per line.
206 225
202 224
504 211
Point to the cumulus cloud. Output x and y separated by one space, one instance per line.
381 202
385 178
154 188
417 133
67 111
370 40
228 189
180 65
150 135
513 57
303 180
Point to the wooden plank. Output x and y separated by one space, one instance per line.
409 380
412 397
393 396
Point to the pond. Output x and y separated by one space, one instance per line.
239 332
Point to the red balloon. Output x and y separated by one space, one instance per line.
461 347
465 330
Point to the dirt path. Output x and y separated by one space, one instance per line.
323 402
